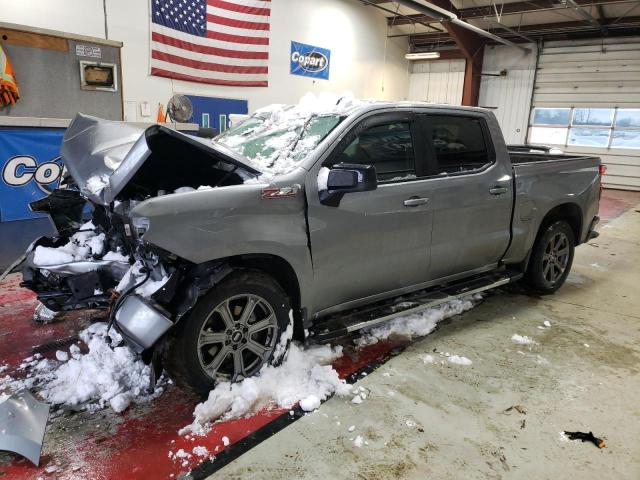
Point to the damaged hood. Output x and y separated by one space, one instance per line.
103 156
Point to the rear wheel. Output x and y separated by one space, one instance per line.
551 258
231 333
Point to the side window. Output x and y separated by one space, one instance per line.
458 143
387 147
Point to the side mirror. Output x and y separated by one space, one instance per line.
348 178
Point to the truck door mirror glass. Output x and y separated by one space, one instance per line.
348 178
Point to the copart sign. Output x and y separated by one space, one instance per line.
310 61
31 169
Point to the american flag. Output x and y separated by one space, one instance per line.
211 41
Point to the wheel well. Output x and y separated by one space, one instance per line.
570 213
283 273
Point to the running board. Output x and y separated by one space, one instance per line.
340 325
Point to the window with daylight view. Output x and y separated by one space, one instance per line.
586 127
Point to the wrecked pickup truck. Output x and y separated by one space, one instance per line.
210 256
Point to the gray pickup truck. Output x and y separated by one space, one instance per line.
210 256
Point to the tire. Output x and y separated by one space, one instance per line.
551 258
214 343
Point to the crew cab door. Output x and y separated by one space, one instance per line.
471 191
376 241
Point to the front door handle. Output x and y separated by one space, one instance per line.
498 190
415 201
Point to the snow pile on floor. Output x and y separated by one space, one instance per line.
102 377
83 245
305 376
522 339
417 324
281 132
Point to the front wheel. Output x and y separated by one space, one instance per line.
231 333
551 258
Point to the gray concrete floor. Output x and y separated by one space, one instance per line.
449 421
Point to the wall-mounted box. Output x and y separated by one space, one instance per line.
98 76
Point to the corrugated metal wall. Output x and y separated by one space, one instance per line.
509 96
437 81
594 73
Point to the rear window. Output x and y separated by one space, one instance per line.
459 144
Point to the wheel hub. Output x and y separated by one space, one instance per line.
238 337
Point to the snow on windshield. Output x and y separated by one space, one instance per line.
277 137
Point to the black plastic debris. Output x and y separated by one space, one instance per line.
586 437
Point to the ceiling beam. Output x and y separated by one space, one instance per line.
584 13
558 29
514 8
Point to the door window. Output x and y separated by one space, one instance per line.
389 148
458 144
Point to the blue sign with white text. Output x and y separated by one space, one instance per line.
310 61
31 169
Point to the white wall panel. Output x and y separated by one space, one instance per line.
363 60
508 96
437 81
594 73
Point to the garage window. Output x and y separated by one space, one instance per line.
458 143
586 127
387 147
626 133
591 127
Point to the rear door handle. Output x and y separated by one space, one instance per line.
498 190
415 201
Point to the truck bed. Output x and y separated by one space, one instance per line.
521 154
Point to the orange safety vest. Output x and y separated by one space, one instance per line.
9 93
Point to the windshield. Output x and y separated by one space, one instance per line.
277 144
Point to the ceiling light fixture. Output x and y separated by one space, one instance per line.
422 56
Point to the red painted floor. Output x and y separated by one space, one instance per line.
135 445
615 202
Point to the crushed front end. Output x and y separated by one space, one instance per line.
99 258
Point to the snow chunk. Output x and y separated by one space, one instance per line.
323 178
427 359
351 428
62 356
359 441
225 441
309 403
184 190
547 323
522 339
116 257
45 256
200 451
97 183
83 245
459 360
304 373
417 324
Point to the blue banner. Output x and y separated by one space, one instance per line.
31 169
310 61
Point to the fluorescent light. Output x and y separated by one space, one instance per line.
422 56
